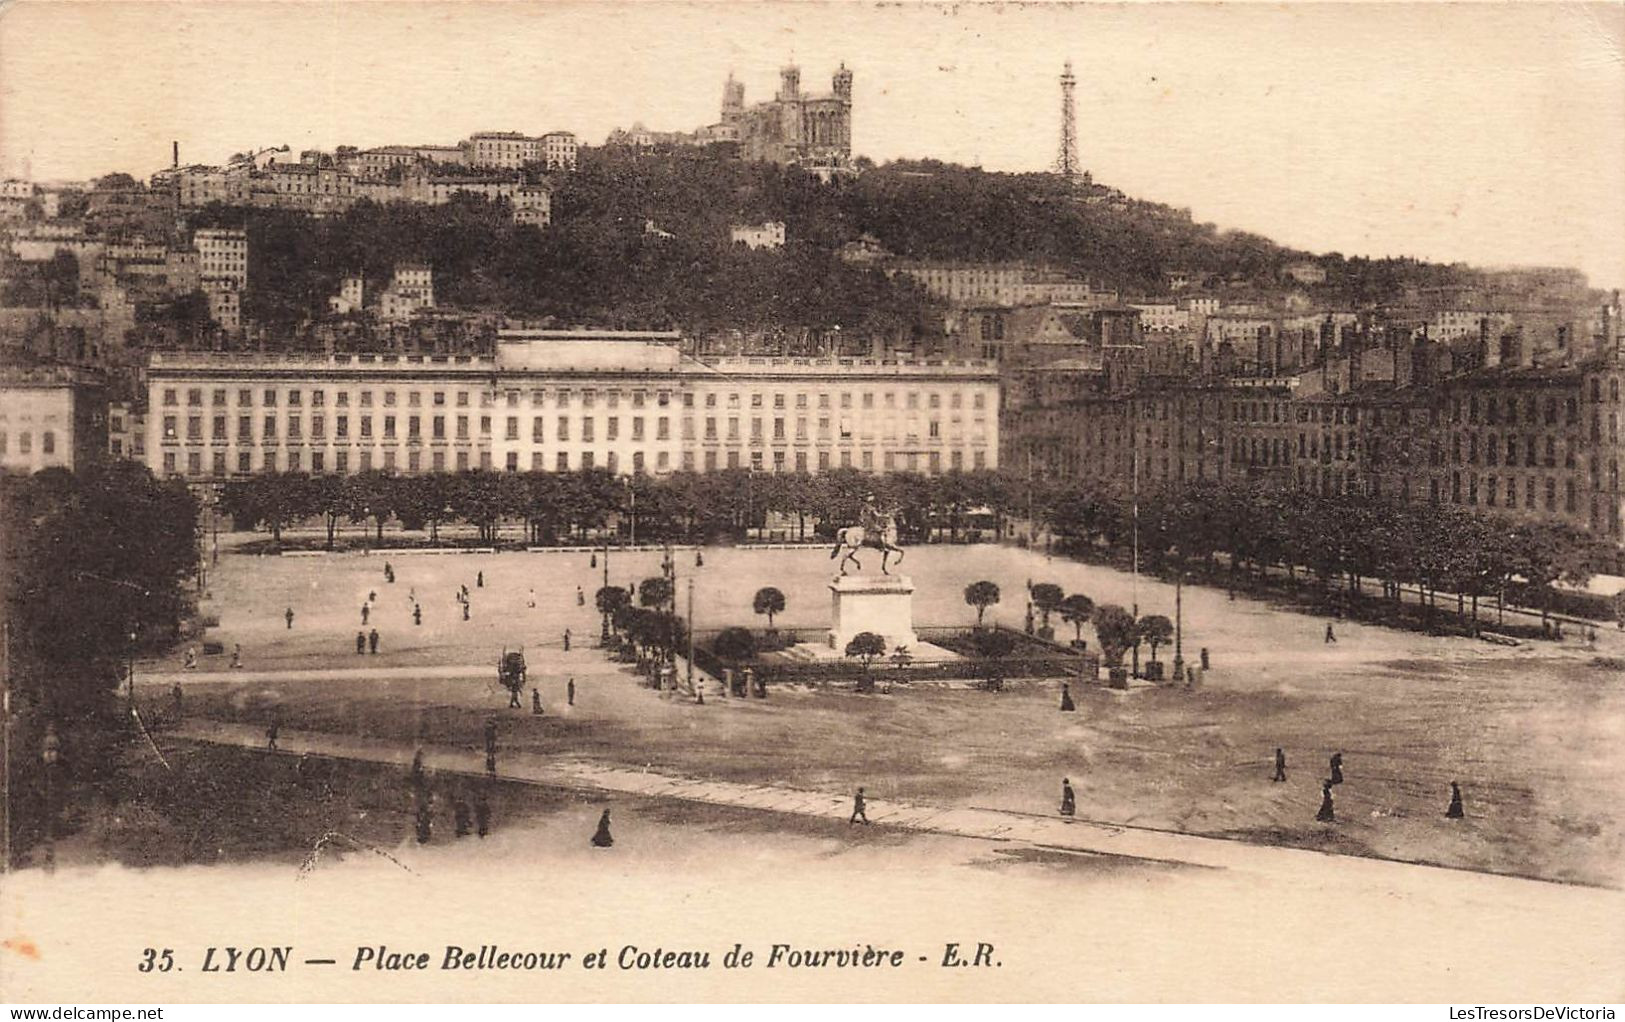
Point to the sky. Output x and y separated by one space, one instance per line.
1492 134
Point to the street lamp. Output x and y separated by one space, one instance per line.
1179 626
50 753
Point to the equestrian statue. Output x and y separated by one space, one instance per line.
877 529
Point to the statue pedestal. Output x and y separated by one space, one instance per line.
883 604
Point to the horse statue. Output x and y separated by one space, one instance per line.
878 531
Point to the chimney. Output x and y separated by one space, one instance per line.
176 157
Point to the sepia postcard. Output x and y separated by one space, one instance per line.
812 502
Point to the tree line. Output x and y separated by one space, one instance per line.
93 570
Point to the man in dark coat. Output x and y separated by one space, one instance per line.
1069 801
366 609
1337 768
270 735
361 642
567 640
372 641
859 808
536 702
287 615
1455 812
417 614
1067 705
570 692
1280 765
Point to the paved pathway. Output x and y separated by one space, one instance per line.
1076 835
405 672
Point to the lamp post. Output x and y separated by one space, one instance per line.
690 666
50 753
1179 626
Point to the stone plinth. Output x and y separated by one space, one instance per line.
883 604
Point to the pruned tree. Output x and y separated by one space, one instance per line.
1155 629
866 648
1075 610
769 601
981 595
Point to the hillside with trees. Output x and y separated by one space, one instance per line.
641 240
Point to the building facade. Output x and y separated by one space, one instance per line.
567 400
51 417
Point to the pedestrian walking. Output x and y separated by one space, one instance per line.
1337 768
1069 801
699 559
179 700
389 573
288 616
366 608
372 596
372 641
482 814
1327 813
1280 766
479 580
581 597
859 807
360 642
1331 636
270 735
601 838
237 655
594 562
1455 812
465 611
417 614
459 812
536 702
567 640
463 589
1067 705
530 600
570 692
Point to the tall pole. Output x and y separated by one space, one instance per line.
1179 625
690 669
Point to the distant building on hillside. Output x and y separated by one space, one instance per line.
767 235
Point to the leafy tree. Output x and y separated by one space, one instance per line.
866 648
1115 628
769 601
656 592
1075 610
1155 629
981 595
1046 597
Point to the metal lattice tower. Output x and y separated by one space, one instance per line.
1066 163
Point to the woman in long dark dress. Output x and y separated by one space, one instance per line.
602 838
1069 802
1067 705
1327 814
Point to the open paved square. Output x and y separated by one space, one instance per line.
1527 732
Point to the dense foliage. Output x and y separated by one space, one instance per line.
86 562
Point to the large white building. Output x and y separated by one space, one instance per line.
559 400
50 417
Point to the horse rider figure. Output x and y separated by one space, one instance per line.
876 528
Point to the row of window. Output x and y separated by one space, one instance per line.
25 442
910 399
562 461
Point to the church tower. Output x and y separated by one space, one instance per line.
733 99
843 83
789 83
